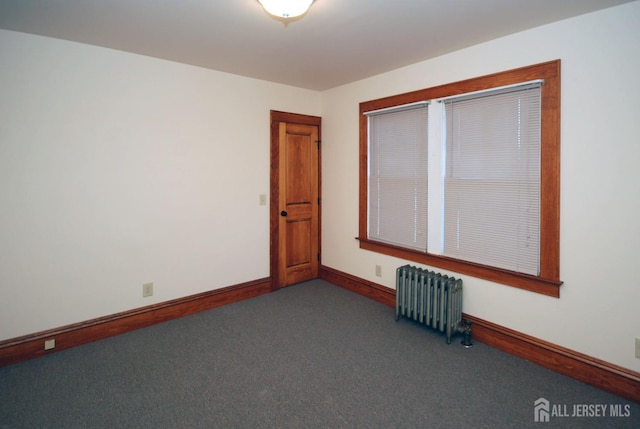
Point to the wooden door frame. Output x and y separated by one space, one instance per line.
274 210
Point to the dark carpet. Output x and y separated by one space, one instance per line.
311 355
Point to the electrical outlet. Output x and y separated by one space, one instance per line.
638 348
379 270
147 290
50 344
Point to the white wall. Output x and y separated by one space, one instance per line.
598 312
118 169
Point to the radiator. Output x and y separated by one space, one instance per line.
430 298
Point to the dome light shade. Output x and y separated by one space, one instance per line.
286 8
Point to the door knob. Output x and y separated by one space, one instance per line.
283 213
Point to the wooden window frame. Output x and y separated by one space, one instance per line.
548 282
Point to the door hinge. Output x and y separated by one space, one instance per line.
318 201
318 141
318 257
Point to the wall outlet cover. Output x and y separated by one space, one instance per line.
147 290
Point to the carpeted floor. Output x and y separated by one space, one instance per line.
311 355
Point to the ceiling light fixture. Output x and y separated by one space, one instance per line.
286 9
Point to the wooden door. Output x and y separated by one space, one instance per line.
298 201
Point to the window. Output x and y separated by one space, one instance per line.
465 177
398 176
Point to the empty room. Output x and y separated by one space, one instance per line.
360 213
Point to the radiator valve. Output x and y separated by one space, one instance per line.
466 341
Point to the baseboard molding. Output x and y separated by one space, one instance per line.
32 346
603 375
363 287
589 370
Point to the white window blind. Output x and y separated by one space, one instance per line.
492 178
398 176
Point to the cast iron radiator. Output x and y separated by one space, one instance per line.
430 298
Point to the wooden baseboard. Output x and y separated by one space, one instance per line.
603 375
31 346
360 286
598 373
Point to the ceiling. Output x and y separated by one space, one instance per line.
337 42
